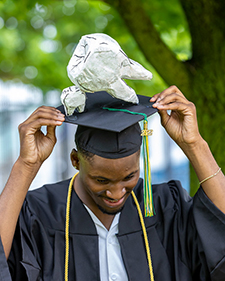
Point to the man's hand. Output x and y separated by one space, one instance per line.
35 146
181 125
181 122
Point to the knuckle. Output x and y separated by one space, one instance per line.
22 130
21 127
40 108
174 87
192 105
40 122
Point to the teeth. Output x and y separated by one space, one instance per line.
114 200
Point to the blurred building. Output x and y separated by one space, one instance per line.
17 101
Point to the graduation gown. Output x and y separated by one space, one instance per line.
186 238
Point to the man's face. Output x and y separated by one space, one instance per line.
107 183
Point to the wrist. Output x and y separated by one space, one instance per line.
195 147
27 169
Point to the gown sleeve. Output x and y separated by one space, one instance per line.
210 226
22 261
4 269
197 229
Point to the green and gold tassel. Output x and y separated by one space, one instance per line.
148 197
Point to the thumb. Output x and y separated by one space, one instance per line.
164 117
51 133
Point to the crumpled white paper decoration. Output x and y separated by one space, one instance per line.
99 64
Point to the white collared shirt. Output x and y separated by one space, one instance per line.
110 260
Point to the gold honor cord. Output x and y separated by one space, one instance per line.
67 225
147 248
66 271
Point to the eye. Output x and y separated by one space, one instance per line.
129 177
102 181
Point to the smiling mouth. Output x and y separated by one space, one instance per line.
113 202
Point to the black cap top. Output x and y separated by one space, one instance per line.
96 116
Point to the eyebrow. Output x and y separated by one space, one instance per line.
131 174
103 178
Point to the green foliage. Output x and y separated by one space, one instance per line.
37 39
169 19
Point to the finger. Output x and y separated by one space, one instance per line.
170 98
51 133
170 90
164 116
31 127
167 92
46 109
45 112
154 98
176 106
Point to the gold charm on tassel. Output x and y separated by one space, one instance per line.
146 132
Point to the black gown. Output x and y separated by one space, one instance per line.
186 236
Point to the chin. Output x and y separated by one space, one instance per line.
110 212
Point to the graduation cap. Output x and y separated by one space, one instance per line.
115 119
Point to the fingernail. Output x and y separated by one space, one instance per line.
153 98
158 100
60 119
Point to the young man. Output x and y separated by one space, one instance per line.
186 235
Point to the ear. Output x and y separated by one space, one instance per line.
74 159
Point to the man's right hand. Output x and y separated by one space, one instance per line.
35 146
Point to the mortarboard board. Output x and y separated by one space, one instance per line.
97 116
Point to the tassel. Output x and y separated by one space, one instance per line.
148 197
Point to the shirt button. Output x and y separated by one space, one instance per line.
114 276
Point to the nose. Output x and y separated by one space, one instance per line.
116 192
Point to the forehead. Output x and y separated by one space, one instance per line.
101 165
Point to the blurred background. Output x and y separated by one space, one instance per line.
169 38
